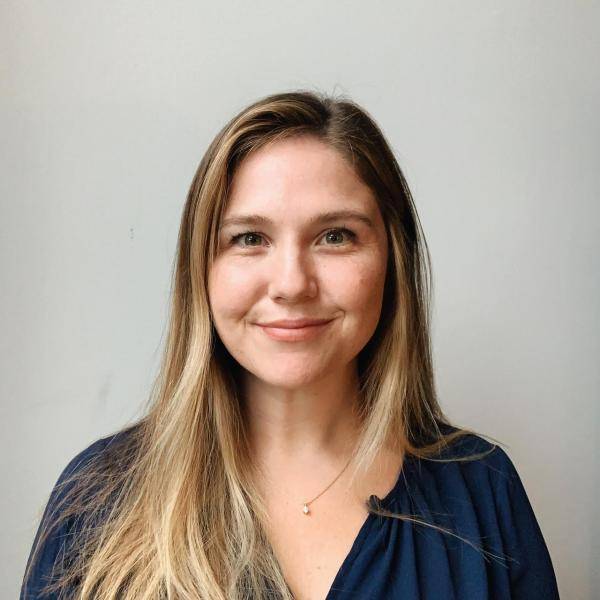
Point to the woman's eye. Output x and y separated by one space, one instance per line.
250 236
338 234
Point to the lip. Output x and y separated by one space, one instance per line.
294 323
295 330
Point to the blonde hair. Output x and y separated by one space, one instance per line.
171 510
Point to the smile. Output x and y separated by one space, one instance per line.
295 334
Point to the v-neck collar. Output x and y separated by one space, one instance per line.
367 526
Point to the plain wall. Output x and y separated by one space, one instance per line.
492 111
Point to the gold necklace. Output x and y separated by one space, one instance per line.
305 508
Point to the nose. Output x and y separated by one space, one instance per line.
291 275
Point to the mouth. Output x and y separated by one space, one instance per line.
294 323
295 331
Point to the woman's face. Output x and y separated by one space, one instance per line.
302 237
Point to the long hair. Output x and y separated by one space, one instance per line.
171 510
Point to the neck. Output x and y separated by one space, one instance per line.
301 424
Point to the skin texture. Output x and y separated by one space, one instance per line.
299 394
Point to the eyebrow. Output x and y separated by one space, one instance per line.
322 218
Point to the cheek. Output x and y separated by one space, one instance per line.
357 288
230 290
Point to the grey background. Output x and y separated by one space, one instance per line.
491 108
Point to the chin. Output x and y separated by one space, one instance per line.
289 377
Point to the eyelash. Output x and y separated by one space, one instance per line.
345 230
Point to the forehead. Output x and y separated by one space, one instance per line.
297 175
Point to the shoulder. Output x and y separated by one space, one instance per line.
475 481
105 447
53 530
468 476
101 450
476 485
473 453
85 456
477 469
85 472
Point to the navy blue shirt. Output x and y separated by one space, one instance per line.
482 500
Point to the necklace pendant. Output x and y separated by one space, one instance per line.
305 509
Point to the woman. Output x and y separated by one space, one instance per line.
294 446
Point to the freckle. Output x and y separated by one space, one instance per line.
131 233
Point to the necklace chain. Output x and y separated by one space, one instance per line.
305 505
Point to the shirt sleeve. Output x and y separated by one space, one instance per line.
531 570
54 545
